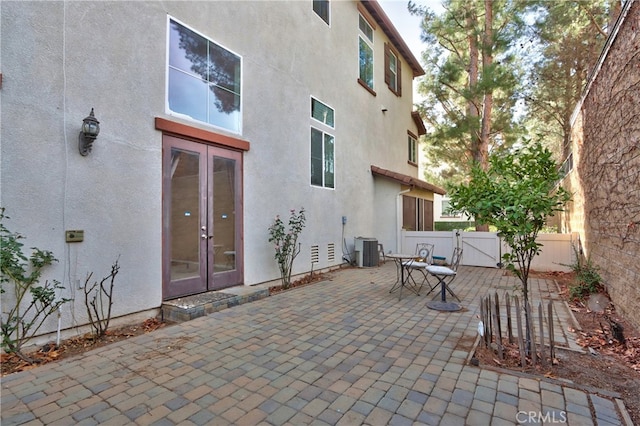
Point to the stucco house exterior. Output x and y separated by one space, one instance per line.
214 117
603 165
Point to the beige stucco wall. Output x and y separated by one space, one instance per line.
606 175
60 59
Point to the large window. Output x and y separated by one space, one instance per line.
322 145
365 40
321 8
204 79
412 148
392 69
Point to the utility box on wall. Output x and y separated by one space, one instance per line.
366 252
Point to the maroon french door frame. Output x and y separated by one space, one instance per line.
202 217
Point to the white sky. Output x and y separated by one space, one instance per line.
408 25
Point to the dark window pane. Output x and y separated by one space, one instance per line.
316 157
393 72
224 109
224 68
321 112
366 63
365 28
321 7
328 161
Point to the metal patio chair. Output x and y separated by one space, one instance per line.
446 274
416 268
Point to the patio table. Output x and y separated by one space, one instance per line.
401 281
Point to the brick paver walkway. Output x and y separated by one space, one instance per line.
343 352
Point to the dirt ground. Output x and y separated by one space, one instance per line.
11 363
610 365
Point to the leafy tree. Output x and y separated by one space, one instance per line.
566 38
471 81
516 194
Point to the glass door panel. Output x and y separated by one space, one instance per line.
226 207
224 214
185 214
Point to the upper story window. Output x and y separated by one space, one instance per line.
365 46
322 146
392 69
322 112
321 8
412 142
204 79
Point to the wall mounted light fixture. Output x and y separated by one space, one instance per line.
88 134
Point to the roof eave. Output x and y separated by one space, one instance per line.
406 180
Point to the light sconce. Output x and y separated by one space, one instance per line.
88 134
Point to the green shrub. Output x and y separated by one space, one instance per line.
450 226
32 302
588 280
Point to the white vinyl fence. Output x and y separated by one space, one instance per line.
486 249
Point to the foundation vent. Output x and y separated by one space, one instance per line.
331 252
315 256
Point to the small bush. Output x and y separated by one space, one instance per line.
29 303
98 299
588 280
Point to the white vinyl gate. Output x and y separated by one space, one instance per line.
485 249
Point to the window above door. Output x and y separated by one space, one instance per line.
204 79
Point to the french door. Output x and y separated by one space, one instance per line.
202 217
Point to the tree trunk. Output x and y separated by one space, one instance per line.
481 150
473 111
487 73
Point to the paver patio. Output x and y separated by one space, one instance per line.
342 352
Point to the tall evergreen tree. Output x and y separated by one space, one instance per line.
471 82
569 36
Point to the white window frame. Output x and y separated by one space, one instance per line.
237 129
369 41
412 148
325 129
313 99
328 20
447 211
393 71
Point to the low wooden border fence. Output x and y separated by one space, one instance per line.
542 347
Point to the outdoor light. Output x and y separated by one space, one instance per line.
89 133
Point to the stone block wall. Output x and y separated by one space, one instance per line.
606 176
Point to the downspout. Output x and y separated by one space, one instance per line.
399 219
